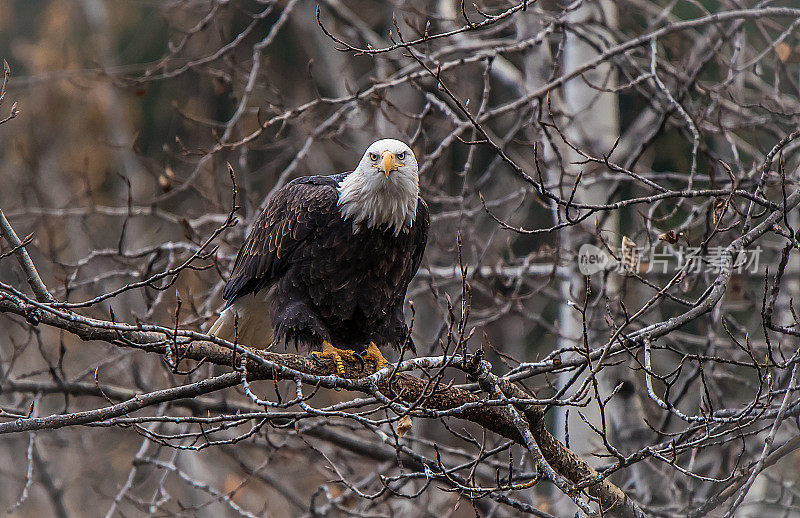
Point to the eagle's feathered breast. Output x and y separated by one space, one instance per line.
328 279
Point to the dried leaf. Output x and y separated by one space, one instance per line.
220 85
165 179
610 322
683 282
670 237
630 253
404 425
335 490
164 183
720 207
231 484
784 51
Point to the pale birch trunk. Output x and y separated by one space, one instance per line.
592 124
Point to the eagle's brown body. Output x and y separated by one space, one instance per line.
328 280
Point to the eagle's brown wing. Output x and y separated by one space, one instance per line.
419 235
421 224
293 213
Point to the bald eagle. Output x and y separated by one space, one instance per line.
328 261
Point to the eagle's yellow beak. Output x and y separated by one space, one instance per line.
389 164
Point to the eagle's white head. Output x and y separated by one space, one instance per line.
383 188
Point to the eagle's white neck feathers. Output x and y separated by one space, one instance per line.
369 198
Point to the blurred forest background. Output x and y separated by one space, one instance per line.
639 126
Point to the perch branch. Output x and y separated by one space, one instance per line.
266 365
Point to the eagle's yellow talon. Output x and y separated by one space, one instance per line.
329 351
374 354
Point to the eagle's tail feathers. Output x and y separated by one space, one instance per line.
246 321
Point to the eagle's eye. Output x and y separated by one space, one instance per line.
401 155
373 157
